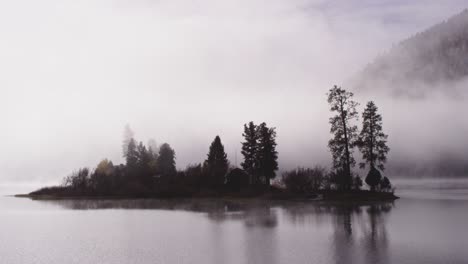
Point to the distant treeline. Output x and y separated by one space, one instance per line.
150 170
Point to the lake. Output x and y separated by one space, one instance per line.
427 225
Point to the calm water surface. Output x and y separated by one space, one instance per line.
428 225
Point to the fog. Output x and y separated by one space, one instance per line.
74 73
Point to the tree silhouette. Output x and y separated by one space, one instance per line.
195 176
266 155
131 156
217 163
249 151
78 180
143 164
344 133
166 160
150 174
153 150
373 178
385 184
237 179
372 140
373 144
102 180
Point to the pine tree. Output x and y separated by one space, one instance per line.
143 163
131 156
373 144
166 160
153 148
266 155
217 163
344 134
153 151
372 139
249 151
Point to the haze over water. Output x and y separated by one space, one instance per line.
74 73
427 225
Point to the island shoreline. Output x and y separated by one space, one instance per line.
320 196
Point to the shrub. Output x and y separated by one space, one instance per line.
304 180
373 178
78 180
195 175
385 184
357 183
237 179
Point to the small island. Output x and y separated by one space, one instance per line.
150 170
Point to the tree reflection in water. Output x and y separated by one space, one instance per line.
375 236
359 233
358 230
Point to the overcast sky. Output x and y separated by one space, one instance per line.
73 73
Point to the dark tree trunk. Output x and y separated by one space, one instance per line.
347 183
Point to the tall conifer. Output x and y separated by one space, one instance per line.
217 163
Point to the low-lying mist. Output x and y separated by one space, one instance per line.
74 74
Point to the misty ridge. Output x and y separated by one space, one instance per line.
428 73
164 69
435 58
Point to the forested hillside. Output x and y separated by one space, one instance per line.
435 56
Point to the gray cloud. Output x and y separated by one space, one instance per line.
74 73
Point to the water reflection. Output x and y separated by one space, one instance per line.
261 236
414 230
375 235
343 239
253 213
358 231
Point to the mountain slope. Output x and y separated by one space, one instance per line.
433 57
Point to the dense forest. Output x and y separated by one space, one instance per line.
150 169
430 58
